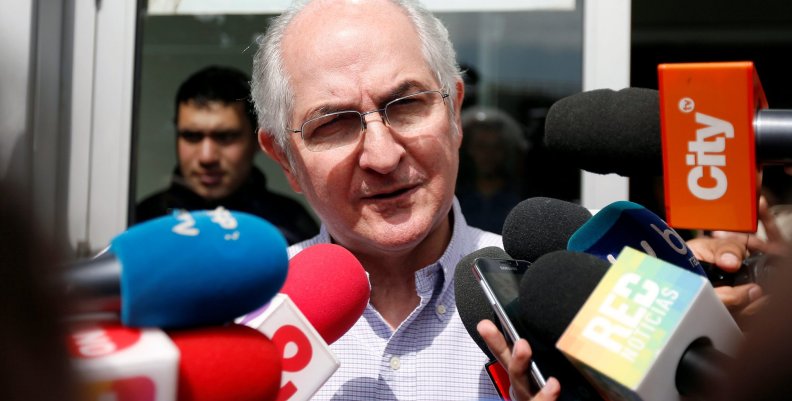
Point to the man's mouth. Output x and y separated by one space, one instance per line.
210 179
393 194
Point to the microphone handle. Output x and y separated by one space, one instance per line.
95 284
701 368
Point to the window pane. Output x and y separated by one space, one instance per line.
518 62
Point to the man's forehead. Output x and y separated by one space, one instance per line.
327 15
193 114
211 104
346 51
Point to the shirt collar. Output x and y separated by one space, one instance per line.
454 252
456 248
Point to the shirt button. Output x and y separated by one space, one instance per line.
441 309
395 363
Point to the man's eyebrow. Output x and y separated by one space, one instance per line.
326 109
227 132
404 88
210 133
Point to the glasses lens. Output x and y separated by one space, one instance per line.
331 130
413 112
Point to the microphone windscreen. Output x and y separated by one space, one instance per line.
330 287
224 363
472 305
198 269
605 131
555 287
540 225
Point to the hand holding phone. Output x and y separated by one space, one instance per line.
500 281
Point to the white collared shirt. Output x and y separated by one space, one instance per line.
430 356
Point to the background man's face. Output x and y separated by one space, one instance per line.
215 147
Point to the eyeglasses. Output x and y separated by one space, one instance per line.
404 115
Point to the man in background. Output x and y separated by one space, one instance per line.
216 144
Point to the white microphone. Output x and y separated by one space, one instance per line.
642 329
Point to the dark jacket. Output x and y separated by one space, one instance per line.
288 215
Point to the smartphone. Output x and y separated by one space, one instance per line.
500 281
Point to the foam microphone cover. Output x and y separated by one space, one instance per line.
330 287
225 363
605 131
555 287
198 269
540 225
472 305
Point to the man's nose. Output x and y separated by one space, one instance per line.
382 150
208 150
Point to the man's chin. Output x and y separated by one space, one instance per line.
212 194
398 238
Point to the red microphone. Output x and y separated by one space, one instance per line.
330 287
325 293
228 363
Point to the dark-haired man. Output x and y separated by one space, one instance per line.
216 144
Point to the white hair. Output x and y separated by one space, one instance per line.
273 95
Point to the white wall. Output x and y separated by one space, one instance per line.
15 72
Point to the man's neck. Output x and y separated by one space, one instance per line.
393 291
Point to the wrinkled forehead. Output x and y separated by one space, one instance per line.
334 27
350 50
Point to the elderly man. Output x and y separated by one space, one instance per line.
359 103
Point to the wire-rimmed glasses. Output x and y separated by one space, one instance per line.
404 115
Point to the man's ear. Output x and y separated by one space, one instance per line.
460 87
267 143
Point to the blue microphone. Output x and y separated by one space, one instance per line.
624 223
184 270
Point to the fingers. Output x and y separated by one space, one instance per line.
743 302
520 367
776 243
772 231
517 363
726 253
495 342
550 391
739 297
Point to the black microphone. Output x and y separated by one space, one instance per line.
604 131
472 305
540 225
